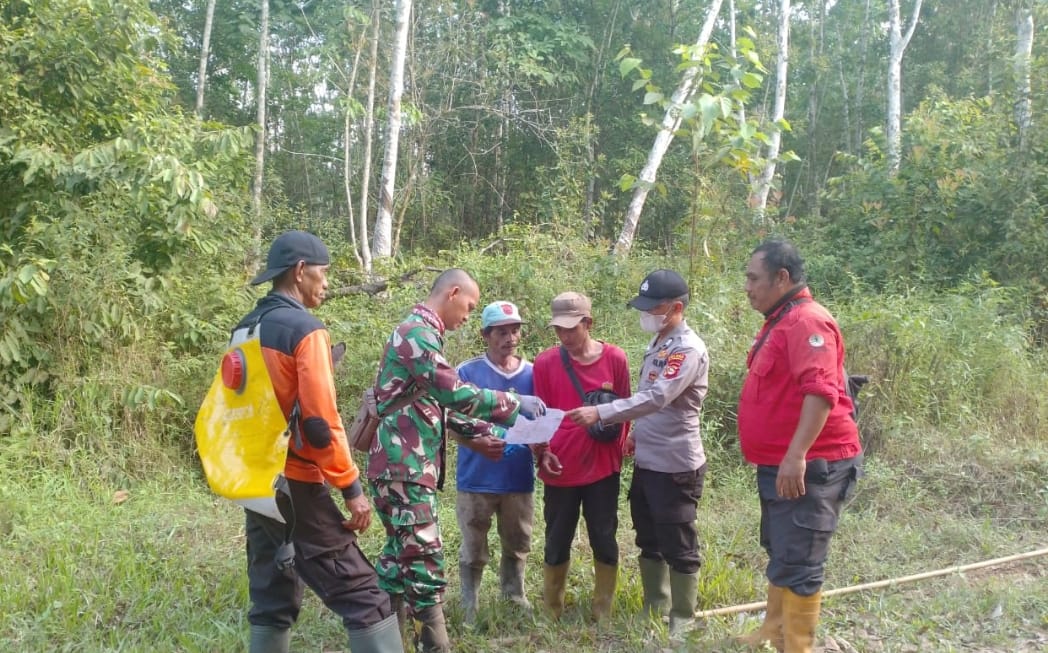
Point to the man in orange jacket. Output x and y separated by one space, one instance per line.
316 544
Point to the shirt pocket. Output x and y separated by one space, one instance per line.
758 383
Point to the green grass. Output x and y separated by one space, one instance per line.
163 571
955 422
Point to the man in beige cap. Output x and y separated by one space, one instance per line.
590 460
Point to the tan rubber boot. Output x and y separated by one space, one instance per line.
605 578
554 581
655 581
771 629
800 615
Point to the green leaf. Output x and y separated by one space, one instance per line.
626 182
628 64
652 98
751 80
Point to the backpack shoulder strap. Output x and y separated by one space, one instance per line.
566 360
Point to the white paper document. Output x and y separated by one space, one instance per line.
534 431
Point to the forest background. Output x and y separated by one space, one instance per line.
150 150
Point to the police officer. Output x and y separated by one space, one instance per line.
669 460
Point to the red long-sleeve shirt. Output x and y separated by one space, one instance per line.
584 459
802 355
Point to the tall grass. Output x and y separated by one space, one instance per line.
954 423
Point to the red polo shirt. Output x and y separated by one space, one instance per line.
803 355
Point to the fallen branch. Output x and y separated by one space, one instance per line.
750 607
375 287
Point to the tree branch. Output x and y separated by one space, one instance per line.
378 285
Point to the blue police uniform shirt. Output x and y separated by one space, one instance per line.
515 471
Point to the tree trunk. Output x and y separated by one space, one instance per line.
383 239
845 101
898 45
260 139
760 198
989 46
205 53
1023 52
860 85
740 115
670 122
347 151
369 138
588 219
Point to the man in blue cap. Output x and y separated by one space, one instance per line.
495 479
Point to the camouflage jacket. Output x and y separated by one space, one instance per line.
407 445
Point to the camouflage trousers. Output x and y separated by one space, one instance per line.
411 563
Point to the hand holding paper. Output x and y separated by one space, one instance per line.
532 431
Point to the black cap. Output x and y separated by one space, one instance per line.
657 288
288 249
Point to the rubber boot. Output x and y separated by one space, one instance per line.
605 577
511 580
684 595
383 637
554 581
655 580
269 639
469 578
771 629
800 615
400 611
433 634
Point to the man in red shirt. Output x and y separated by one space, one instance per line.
579 472
796 425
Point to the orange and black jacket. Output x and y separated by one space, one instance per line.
297 351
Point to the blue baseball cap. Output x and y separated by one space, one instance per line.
499 313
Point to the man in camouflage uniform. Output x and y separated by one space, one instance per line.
407 456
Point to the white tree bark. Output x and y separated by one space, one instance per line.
759 200
347 152
260 138
369 130
205 53
1023 53
897 44
733 52
383 238
670 123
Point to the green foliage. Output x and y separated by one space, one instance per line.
709 116
940 410
110 197
951 361
961 204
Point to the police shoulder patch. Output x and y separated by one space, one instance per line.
673 364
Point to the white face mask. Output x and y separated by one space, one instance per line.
652 323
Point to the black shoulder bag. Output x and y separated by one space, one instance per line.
597 431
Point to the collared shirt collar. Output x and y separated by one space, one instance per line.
801 291
681 327
429 317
